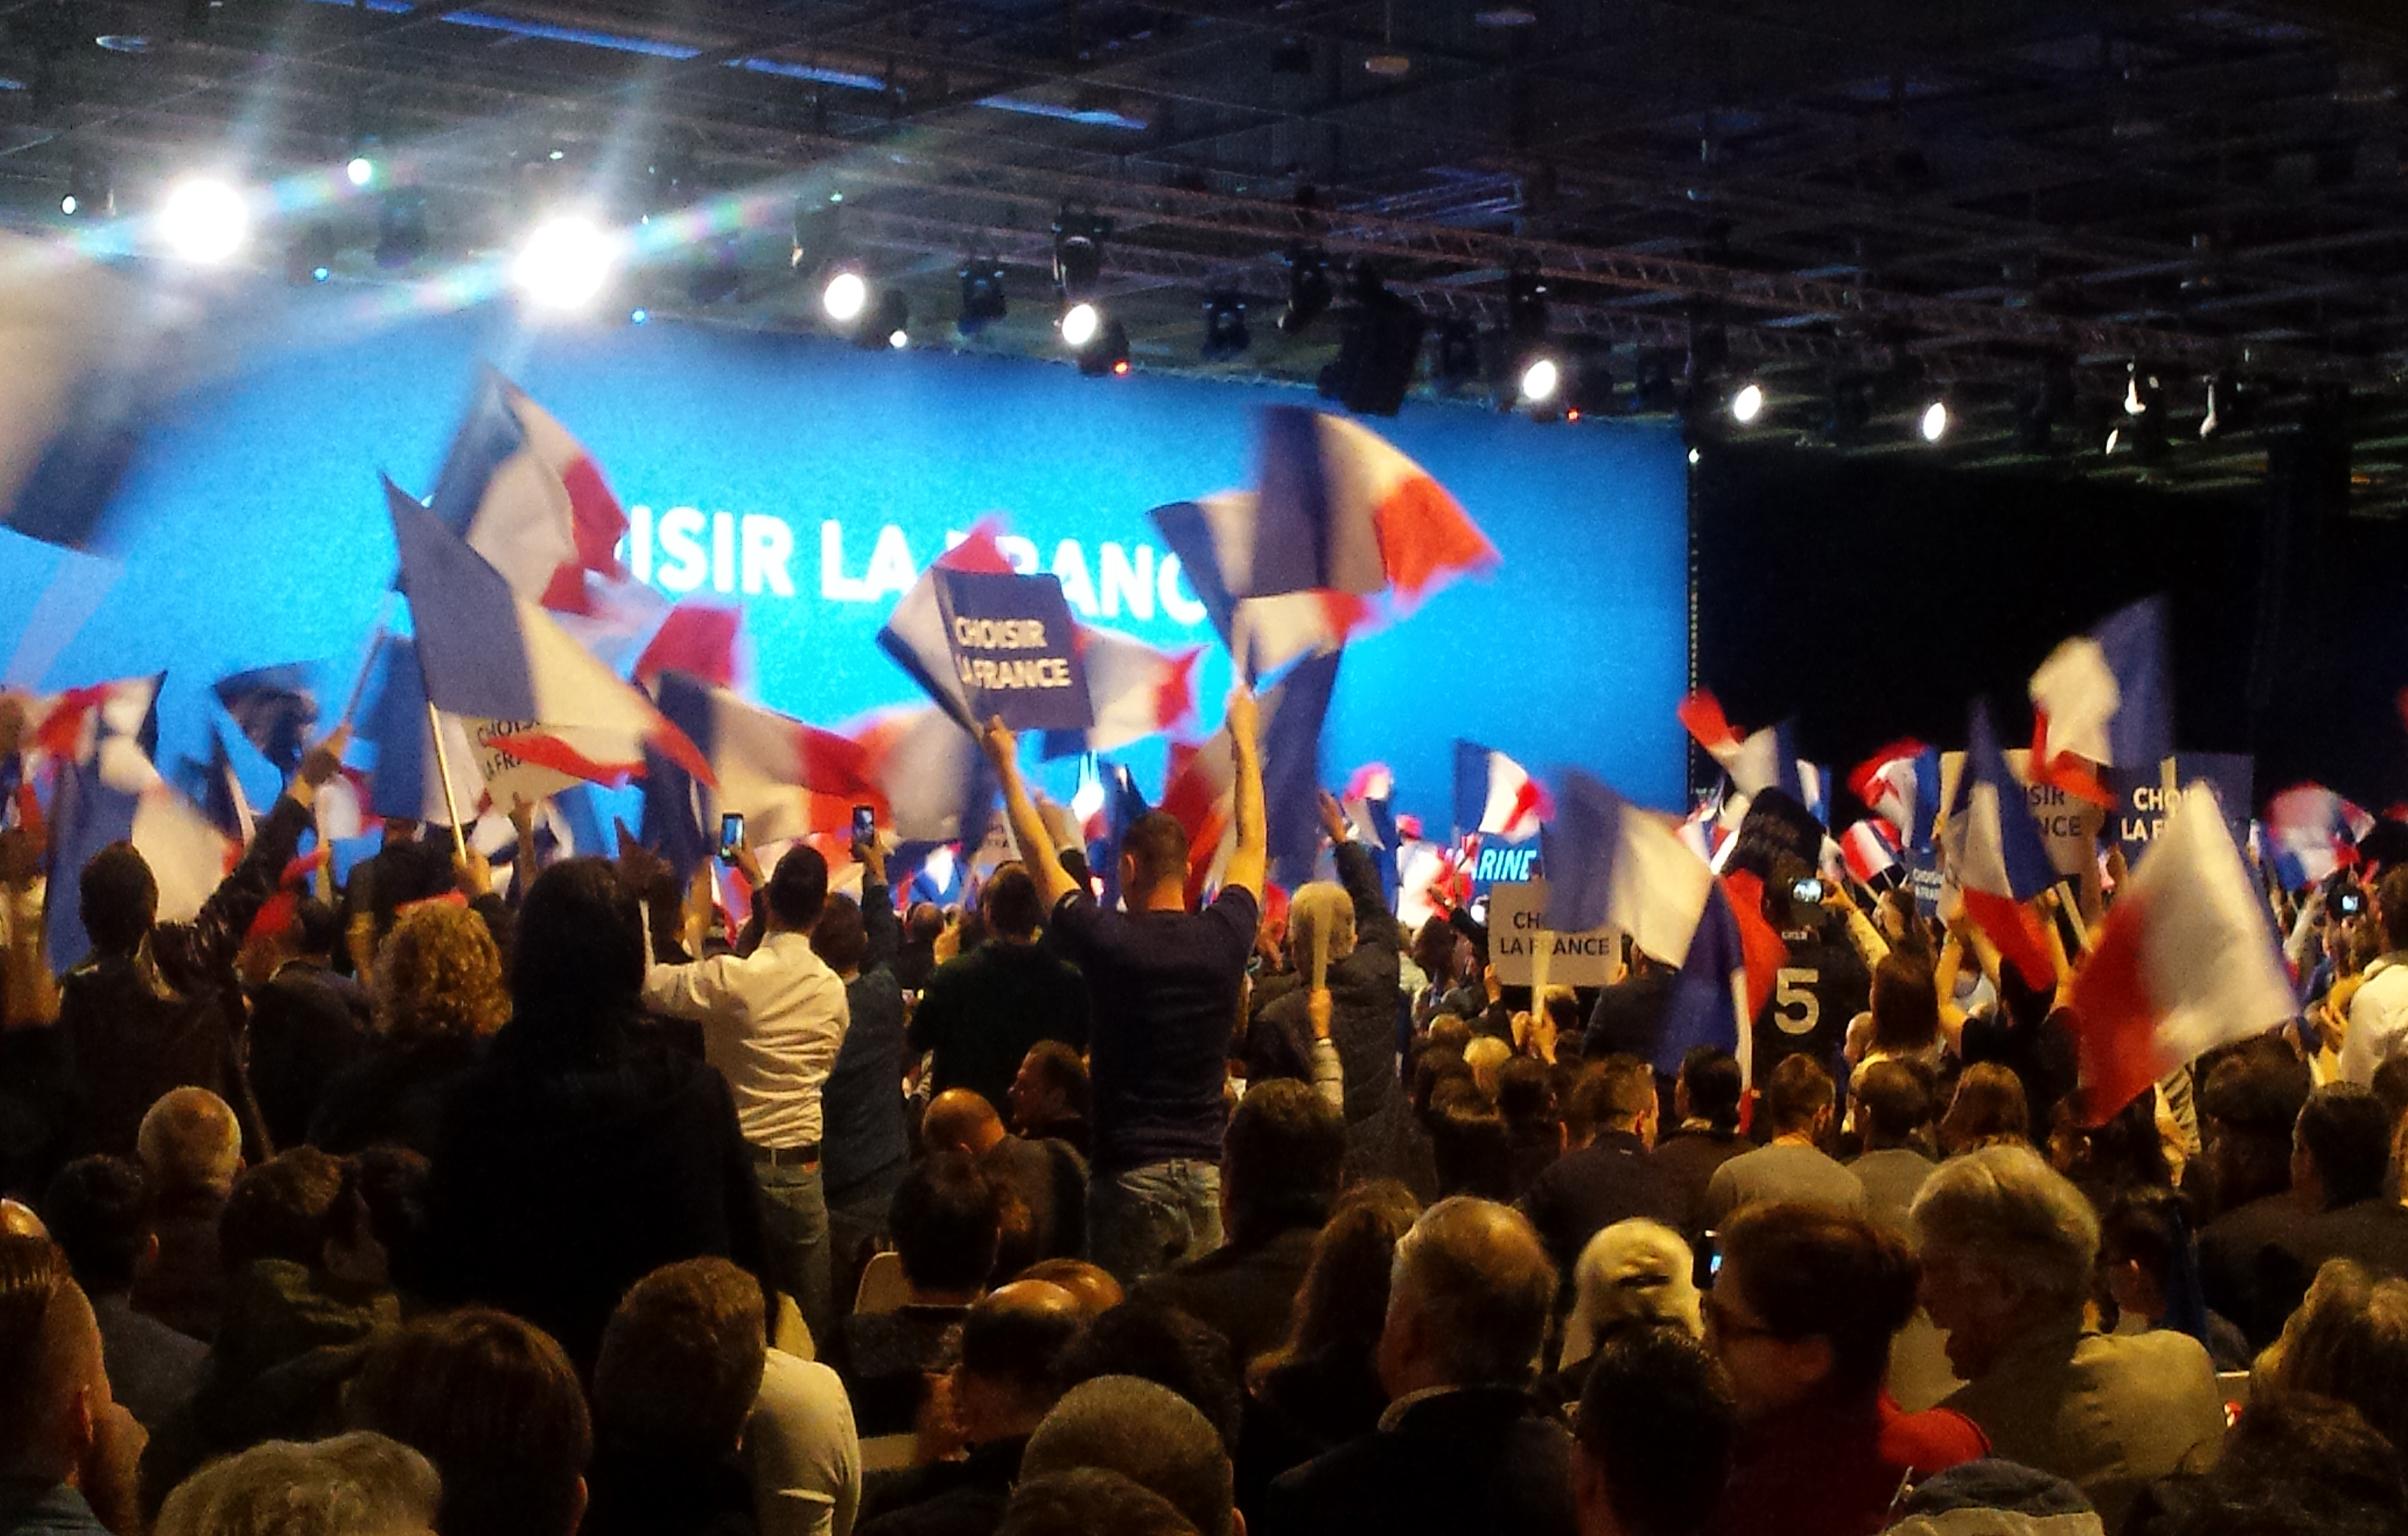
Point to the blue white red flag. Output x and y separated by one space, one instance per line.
2104 699
2311 832
392 727
1869 849
1901 785
1200 789
1497 797
1133 691
526 495
1999 860
1341 510
1756 760
1272 631
113 794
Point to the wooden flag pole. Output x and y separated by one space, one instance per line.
376 646
451 807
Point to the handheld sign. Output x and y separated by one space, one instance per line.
1014 649
1517 930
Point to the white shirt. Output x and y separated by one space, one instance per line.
2378 1020
771 1023
802 1451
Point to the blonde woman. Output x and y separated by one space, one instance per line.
438 995
1635 1271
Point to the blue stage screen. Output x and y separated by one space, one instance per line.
257 534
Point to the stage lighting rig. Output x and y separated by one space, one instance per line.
1309 289
91 191
310 256
716 273
1107 352
1540 378
1079 325
887 324
1525 306
1747 403
1456 359
1225 333
2231 406
1933 423
818 231
1078 253
401 236
983 299
844 294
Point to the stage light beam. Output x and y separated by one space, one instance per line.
565 264
845 295
1540 379
1080 322
205 220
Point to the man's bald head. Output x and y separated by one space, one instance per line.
1469 1303
52 1386
960 1119
1148 1434
17 1219
190 1141
1090 1285
1011 1355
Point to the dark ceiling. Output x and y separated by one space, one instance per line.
2005 203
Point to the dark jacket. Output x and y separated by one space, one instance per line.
556 1188
1245 1292
948 1498
635 1494
1628 1017
393 1096
1300 1409
863 1130
1611 1179
1687 1159
980 1013
1044 1189
886 1358
171 1015
1480 1459
307 1025
2249 1258
184 1284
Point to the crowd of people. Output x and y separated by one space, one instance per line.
426 1209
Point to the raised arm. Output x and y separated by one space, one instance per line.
878 919
1028 827
1249 860
188 952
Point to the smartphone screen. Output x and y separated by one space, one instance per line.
731 834
1808 889
865 823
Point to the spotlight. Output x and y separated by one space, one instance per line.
1457 362
1540 378
205 220
1934 422
1078 253
1747 404
89 192
845 295
1108 352
1379 341
983 301
360 171
886 323
1225 334
639 316
401 227
1079 324
565 264
1308 289
310 258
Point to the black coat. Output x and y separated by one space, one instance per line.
307 1025
1246 1293
1611 1179
1482 1459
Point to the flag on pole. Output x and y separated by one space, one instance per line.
2185 962
526 495
275 708
1901 785
2311 832
1869 849
401 779
1200 789
2104 698
1133 690
1340 509
1756 760
1496 796
114 794
1999 860
1279 629
498 661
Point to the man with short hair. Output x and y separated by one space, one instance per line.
1792 1165
772 1022
1894 1106
982 1011
946 1222
67 1449
191 1149
1656 1432
359 1484
98 1212
1462 1446
680 1368
1165 988
1612 1178
1042 1184
2340 1155
1007 1380
307 1023
1280 1168
2250 1099
2378 1014
1705 1105
1151 1436
1050 1096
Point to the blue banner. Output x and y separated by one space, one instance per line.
1015 649
2140 803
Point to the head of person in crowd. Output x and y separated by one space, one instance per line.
1894 1104
1156 1342
839 938
1343 1303
2391 908
496 1406
1089 1501
190 1144
1009 1375
924 922
1804 1308
358 1484
2127 1151
1655 1435
2390 1084
1635 1271
1090 1285
1709 1088
576 968
17 1219
2008 1246
947 1221
1015 908
1526 1096
797 890
1988 1110
301 1207
1280 1161
2341 1147
408 873
316 931
1991 1497
1470 1143
53 1390
1153 863
1469 1302
1619 1099
1321 920
2249 1103
1434 950
1448 1032
1906 1006
960 1120
1435 1067
1564 1089
1051 1088
681 1363
98 1211
1485 1056
2148 1260
118 899
439 976
392 1184
2347 1340
1797 1100
1148 1434
2294 1462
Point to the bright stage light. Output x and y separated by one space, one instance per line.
565 264
898 339
205 220
1539 380
360 171
847 293
1935 421
1747 404
1080 322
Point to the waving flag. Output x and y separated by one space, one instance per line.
71 725
1275 630
215 786
698 639
1901 785
1133 690
2104 698
914 635
930 775
1200 789
528 497
2311 832
2185 962
401 781
1342 510
276 708
500 663
1496 796
1757 760
1869 849
760 764
115 794
2000 862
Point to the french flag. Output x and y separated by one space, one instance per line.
1133 692
2185 962
761 763
275 708
1214 537
699 639
1901 785
2312 832
1341 510
927 773
2104 698
1200 788
1869 849
1756 760
401 781
116 794
914 635
85 354
497 659
1496 796
2000 862
527 496
70 726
